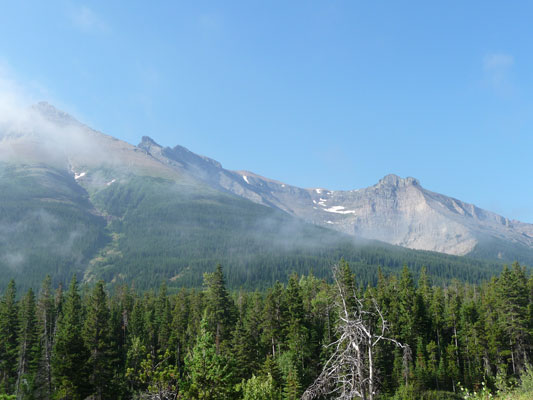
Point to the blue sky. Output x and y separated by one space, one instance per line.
332 94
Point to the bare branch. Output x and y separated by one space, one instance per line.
350 371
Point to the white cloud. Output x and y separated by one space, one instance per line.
497 69
29 133
87 20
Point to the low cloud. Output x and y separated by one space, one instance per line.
40 133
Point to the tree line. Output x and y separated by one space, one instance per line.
86 342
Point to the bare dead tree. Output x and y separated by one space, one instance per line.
350 372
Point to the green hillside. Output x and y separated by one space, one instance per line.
165 230
47 225
145 230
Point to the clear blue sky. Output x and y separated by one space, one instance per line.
329 94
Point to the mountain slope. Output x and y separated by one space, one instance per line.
73 200
395 210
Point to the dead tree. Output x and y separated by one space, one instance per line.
350 372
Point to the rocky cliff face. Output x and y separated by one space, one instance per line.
395 210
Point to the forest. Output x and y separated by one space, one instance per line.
308 338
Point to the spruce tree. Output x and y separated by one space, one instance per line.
178 335
98 340
209 374
46 314
513 307
9 325
273 312
69 360
28 359
219 307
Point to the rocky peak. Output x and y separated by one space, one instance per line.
183 154
396 181
147 143
51 113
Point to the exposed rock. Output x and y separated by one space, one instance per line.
396 210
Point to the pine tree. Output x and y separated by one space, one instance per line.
219 307
9 325
347 280
209 373
178 335
28 346
513 306
163 318
273 312
292 389
260 388
243 350
406 308
98 340
296 327
46 314
69 360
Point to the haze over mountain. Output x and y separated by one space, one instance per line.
76 200
396 210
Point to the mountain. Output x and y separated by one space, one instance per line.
395 210
74 200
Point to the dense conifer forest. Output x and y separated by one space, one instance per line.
432 342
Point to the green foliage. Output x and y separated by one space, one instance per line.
114 342
209 373
259 388
9 323
48 225
98 339
70 356
157 375
28 337
146 230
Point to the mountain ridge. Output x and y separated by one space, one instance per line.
395 210
75 200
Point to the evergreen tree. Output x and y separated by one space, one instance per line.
296 329
260 388
219 307
273 312
292 389
9 325
69 360
178 336
46 314
98 340
513 306
406 308
243 351
28 346
163 318
209 373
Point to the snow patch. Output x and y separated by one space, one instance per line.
245 179
318 191
282 185
339 210
329 222
314 201
110 182
78 176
